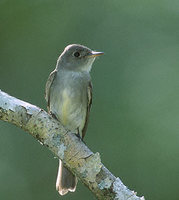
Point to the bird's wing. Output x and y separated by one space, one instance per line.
48 86
89 102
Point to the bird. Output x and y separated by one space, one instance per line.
68 94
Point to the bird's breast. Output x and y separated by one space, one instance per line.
68 99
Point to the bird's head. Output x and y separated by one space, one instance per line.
77 57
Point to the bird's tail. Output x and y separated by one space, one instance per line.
66 181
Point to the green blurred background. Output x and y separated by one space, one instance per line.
134 120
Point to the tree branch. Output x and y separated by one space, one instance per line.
65 145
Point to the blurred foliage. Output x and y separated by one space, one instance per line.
134 120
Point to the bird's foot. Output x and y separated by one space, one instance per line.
78 135
53 115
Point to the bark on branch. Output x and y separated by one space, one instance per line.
85 164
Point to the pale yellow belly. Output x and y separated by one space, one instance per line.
72 112
65 108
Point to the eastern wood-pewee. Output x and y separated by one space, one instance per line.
69 98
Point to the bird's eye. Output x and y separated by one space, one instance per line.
76 54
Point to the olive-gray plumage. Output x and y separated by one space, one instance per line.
69 97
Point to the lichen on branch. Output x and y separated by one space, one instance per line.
76 156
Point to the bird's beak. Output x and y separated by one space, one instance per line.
94 54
